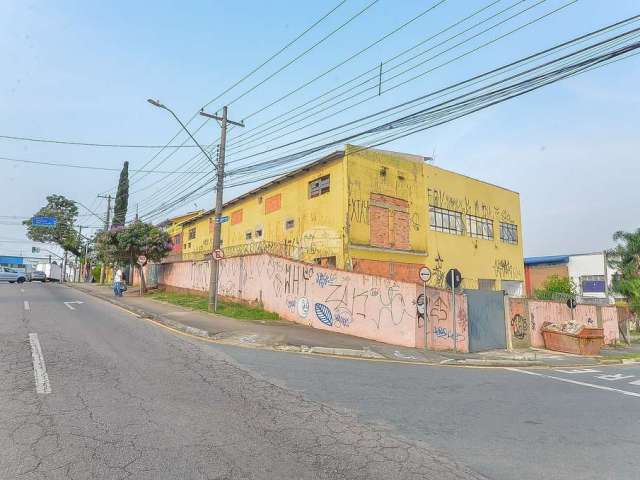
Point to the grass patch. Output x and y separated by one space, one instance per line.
229 309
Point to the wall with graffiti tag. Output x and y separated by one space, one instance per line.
528 316
366 306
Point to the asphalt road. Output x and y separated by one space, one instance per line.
88 391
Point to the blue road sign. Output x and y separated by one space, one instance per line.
44 221
223 219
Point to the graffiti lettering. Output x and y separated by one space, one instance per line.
443 332
359 211
323 279
503 268
439 311
519 326
303 307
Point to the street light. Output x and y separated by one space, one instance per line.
156 103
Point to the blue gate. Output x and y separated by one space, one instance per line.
486 320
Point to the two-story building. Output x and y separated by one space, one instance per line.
377 212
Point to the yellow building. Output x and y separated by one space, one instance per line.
378 212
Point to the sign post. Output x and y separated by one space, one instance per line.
142 260
425 275
454 278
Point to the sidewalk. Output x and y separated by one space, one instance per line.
288 336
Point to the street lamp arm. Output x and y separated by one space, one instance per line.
157 103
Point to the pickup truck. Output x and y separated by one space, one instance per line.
10 275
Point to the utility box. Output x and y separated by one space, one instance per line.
570 338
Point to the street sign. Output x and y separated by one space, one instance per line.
454 278
142 260
218 254
44 221
425 274
571 303
222 219
35 249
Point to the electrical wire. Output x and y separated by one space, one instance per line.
85 167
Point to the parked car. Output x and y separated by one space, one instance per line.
38 276
10 275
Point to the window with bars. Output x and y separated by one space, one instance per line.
509 233
319 186
192 233
448 221
289 224
479 227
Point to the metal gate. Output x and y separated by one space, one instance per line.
152 275
486 320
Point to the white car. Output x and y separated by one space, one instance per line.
10 275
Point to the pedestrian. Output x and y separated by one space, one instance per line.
117 282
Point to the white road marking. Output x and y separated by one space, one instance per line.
22 290
26 305
635 382
39 368
578 370
617 376
576 382
68 304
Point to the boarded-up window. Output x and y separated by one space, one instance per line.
192 233
486 284
271 204
389 222
236 217
319 186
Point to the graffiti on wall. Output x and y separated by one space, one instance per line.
519 326
359 211
466 206
503 268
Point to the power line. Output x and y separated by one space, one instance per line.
374 87
265 62
298 57
89 144
87 167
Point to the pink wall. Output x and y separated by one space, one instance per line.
362 305
540 311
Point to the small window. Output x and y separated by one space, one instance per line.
289 224
319 186
258 232
448 221
479 227
192 233
248 235
509 233
486 284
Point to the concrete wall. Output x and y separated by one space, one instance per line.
356 304
527 317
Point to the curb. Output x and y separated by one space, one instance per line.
223 337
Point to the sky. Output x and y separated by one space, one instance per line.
82 72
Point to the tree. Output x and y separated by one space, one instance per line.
625 258
556 287
125 244
65 212
122 198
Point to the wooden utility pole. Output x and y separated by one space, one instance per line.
217 226
106 228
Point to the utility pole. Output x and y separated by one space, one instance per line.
217 226
106 228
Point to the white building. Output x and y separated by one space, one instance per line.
592 276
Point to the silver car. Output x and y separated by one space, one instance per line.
38 276
10 275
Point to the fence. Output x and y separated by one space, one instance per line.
357 304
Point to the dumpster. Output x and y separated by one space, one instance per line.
572 338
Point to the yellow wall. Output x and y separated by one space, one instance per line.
475 257
317 230
394 175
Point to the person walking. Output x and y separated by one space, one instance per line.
117 282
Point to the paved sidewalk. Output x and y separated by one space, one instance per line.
289 336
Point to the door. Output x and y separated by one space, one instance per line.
4 275
486 320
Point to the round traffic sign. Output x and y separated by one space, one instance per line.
425 274
454 278
571 303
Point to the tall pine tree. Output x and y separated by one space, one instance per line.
122 198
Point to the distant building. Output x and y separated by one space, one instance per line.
589 272
377 212
173 226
